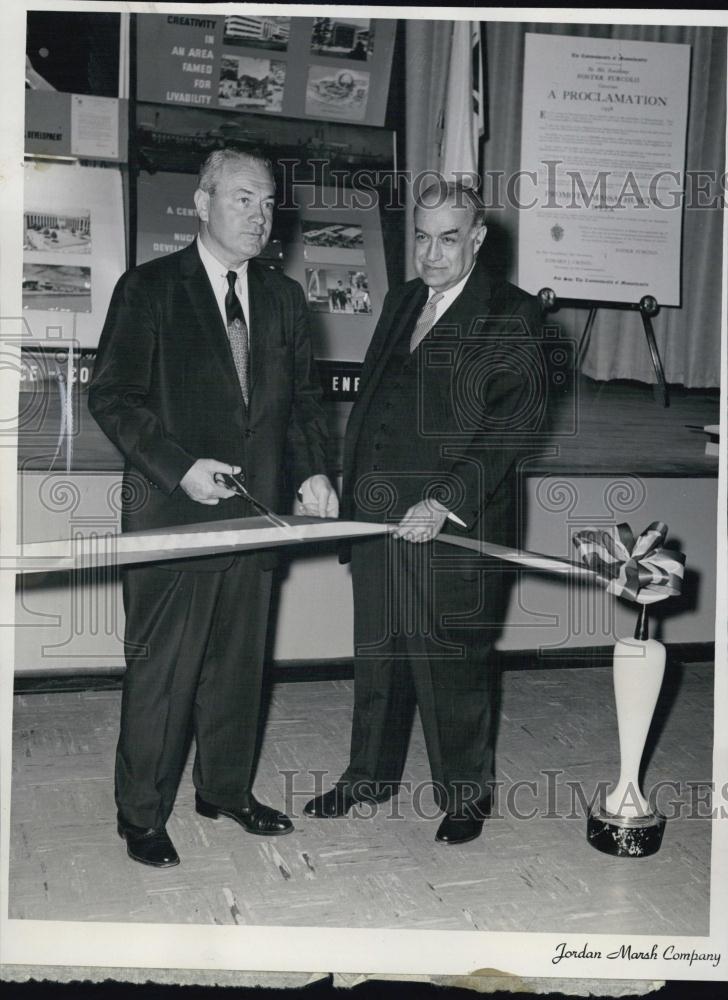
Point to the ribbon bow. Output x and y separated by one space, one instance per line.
639 570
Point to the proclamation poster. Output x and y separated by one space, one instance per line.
602 159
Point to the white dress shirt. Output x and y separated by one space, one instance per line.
217 274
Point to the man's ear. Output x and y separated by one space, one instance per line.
202 204
479 237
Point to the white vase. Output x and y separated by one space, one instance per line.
639 666
626 826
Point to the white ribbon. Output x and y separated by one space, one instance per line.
237 535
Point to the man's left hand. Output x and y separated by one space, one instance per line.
318 498
423 522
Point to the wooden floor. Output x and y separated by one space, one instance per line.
385 871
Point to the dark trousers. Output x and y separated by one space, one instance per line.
195 644
423 630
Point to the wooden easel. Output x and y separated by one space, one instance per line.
647 306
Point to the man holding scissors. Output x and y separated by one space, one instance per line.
204 371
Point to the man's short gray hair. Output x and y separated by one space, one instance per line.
214 164
442 192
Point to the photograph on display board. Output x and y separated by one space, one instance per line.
337 93
332 242
257 31
177 139
55 232
338 290
57 287
343 37
251 84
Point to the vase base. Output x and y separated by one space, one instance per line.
625 837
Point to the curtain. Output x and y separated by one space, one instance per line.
688 337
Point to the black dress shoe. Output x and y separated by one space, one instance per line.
458 829
339 799
149 846
253 817
332 804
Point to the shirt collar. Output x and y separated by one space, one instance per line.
214 267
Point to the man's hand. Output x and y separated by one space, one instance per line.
199 483
318 498
423 522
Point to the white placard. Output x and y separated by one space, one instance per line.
602 159
73 247
94 127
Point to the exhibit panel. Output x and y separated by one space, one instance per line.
73 250
324 67
331 238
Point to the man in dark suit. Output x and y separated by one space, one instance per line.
453 386
204 367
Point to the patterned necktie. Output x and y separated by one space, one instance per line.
238 335
425 322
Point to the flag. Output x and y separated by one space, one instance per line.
464 108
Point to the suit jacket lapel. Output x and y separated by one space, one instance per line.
408 308
265 334
212 329
405 315
471 305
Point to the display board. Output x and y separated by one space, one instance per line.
73 78
602 159
334 68
73 249
309 93
87 127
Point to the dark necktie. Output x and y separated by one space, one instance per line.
238 336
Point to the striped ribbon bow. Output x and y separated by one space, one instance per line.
639 570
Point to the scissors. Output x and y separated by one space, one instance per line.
236 483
